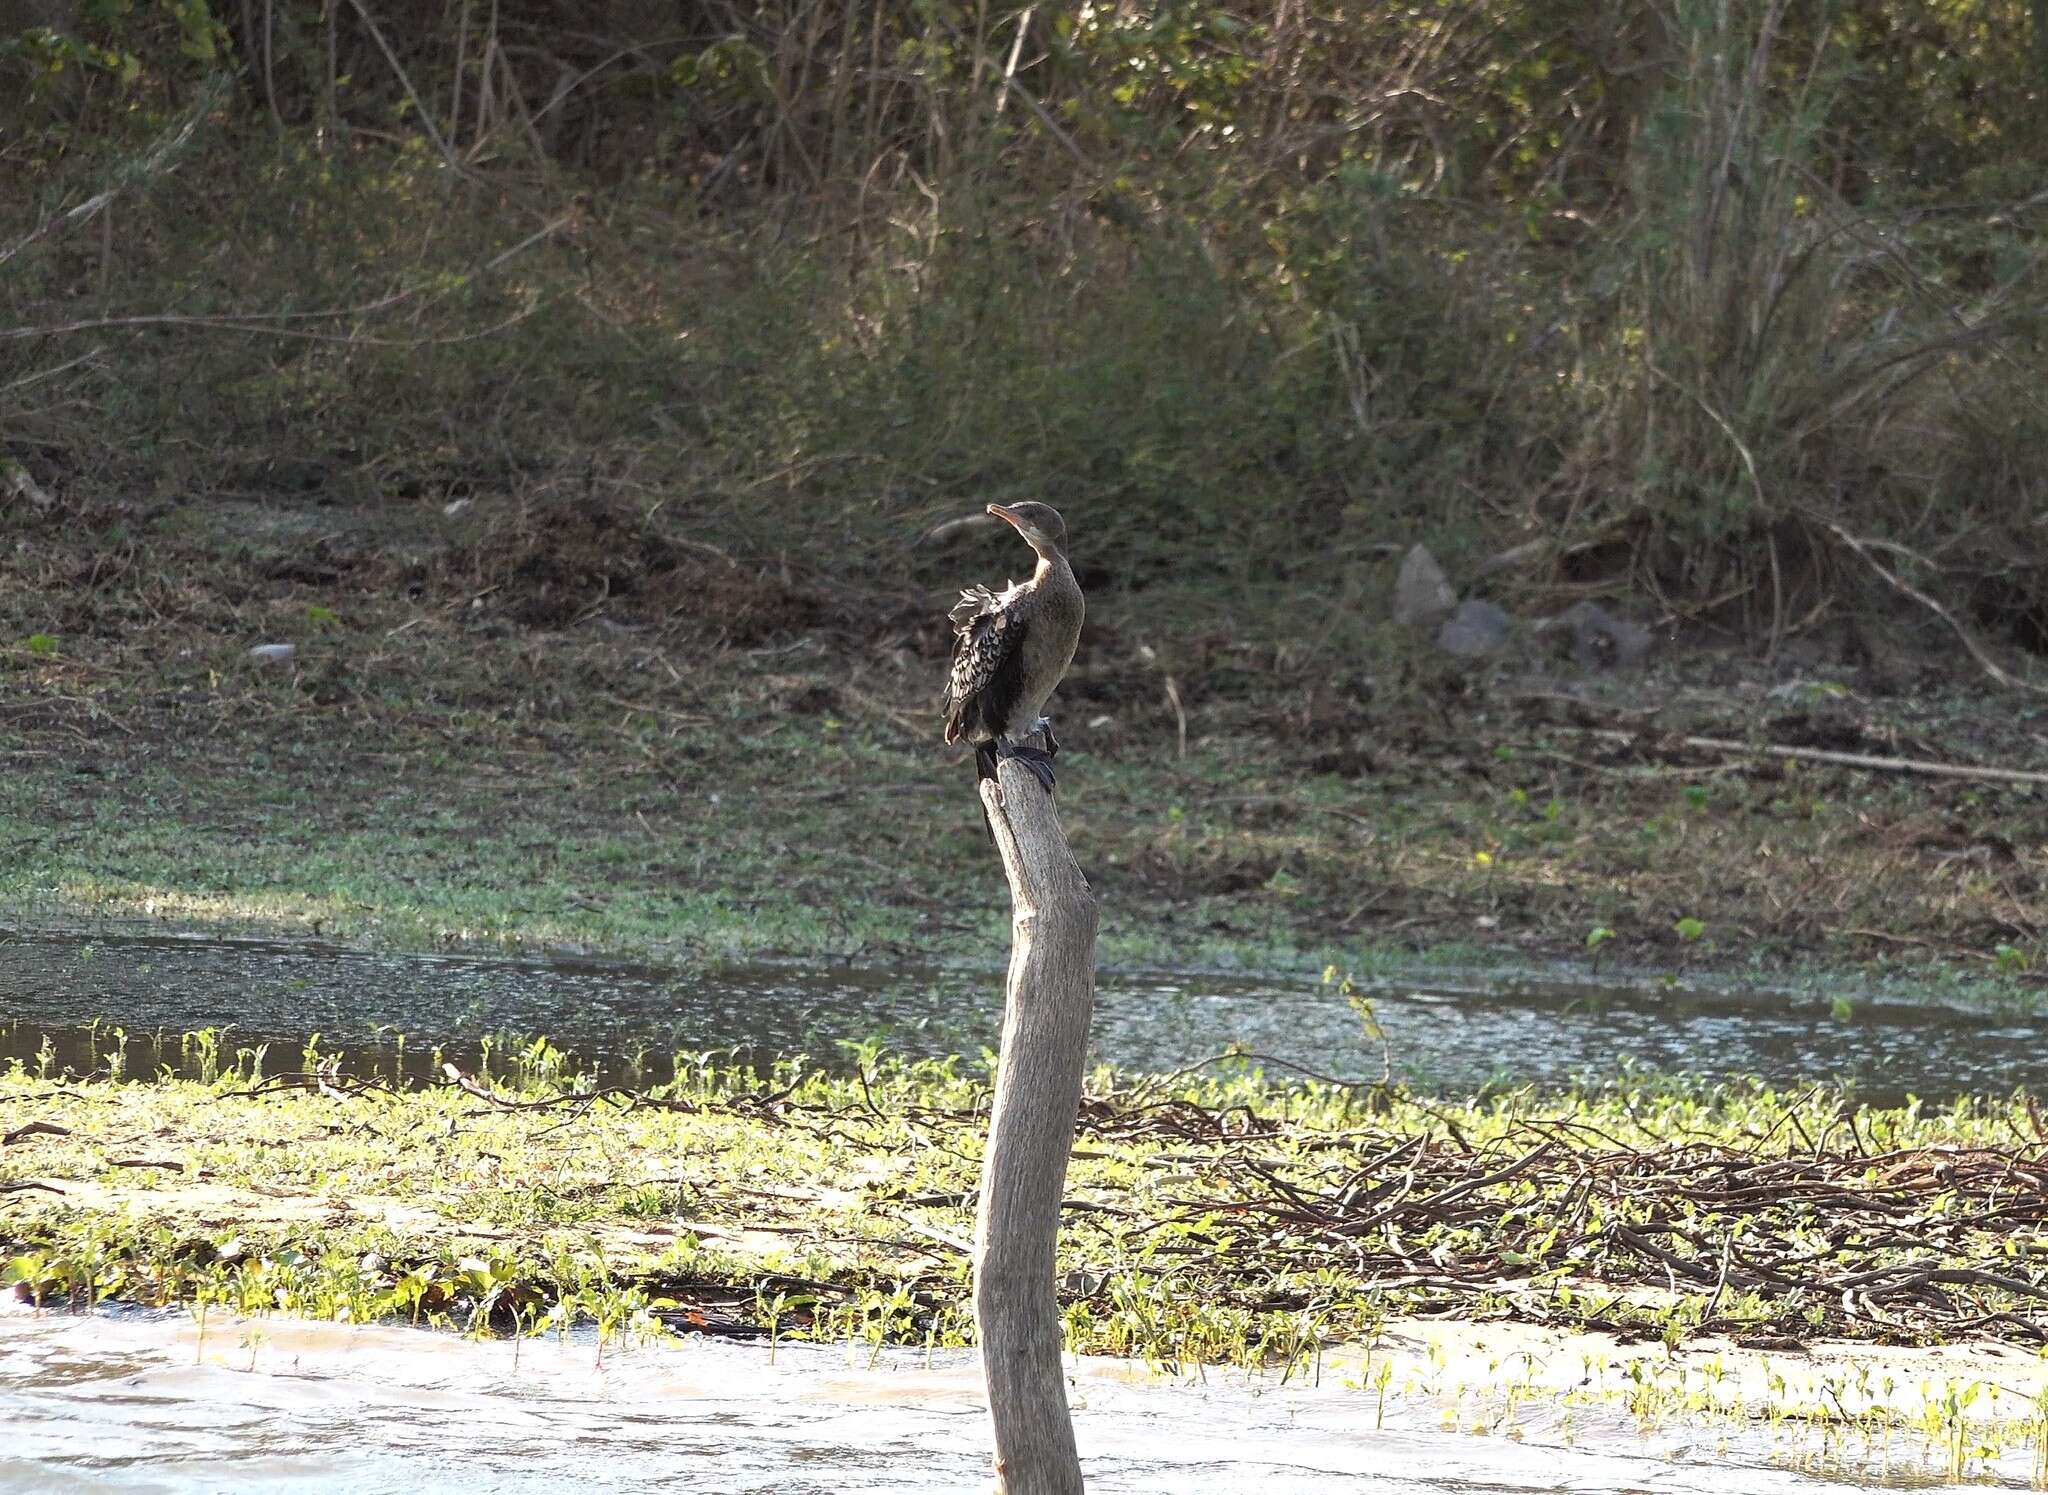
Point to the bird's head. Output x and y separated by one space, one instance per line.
1036 522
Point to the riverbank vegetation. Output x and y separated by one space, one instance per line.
1217 1217
1737 306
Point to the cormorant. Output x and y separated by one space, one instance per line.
1012 649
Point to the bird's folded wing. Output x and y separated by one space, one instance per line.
974 603
979 689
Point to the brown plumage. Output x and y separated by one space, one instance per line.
1013 646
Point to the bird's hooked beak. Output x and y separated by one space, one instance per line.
1035 537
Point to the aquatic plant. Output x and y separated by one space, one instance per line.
1219 1216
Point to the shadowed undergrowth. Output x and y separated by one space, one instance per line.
1249 292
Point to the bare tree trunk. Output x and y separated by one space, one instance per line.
1031 1130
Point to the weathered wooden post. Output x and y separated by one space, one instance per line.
1031 1129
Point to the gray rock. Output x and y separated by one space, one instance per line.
1601 641
1475 629
1423 596
17 481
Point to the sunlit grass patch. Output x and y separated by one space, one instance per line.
1212 1218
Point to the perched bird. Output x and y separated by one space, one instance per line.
1012 649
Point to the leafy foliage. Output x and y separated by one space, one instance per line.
1697 289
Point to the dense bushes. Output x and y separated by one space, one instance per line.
1738 302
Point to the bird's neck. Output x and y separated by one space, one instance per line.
1048 567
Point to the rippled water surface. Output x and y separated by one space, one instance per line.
1447 1034
136 1403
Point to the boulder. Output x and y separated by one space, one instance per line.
1423 596
1477 628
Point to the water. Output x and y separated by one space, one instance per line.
1446 1035
132 1402
135 1403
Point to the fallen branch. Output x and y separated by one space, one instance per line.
34 1129
1829 755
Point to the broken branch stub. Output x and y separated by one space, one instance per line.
1046 1008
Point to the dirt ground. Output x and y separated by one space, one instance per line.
581 724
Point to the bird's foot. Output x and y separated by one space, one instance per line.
1037 760
1043 728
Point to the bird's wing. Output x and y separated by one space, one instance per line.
982 685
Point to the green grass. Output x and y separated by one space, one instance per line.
422 777
1198 1230
727 1181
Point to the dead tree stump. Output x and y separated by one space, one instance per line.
1031 1130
